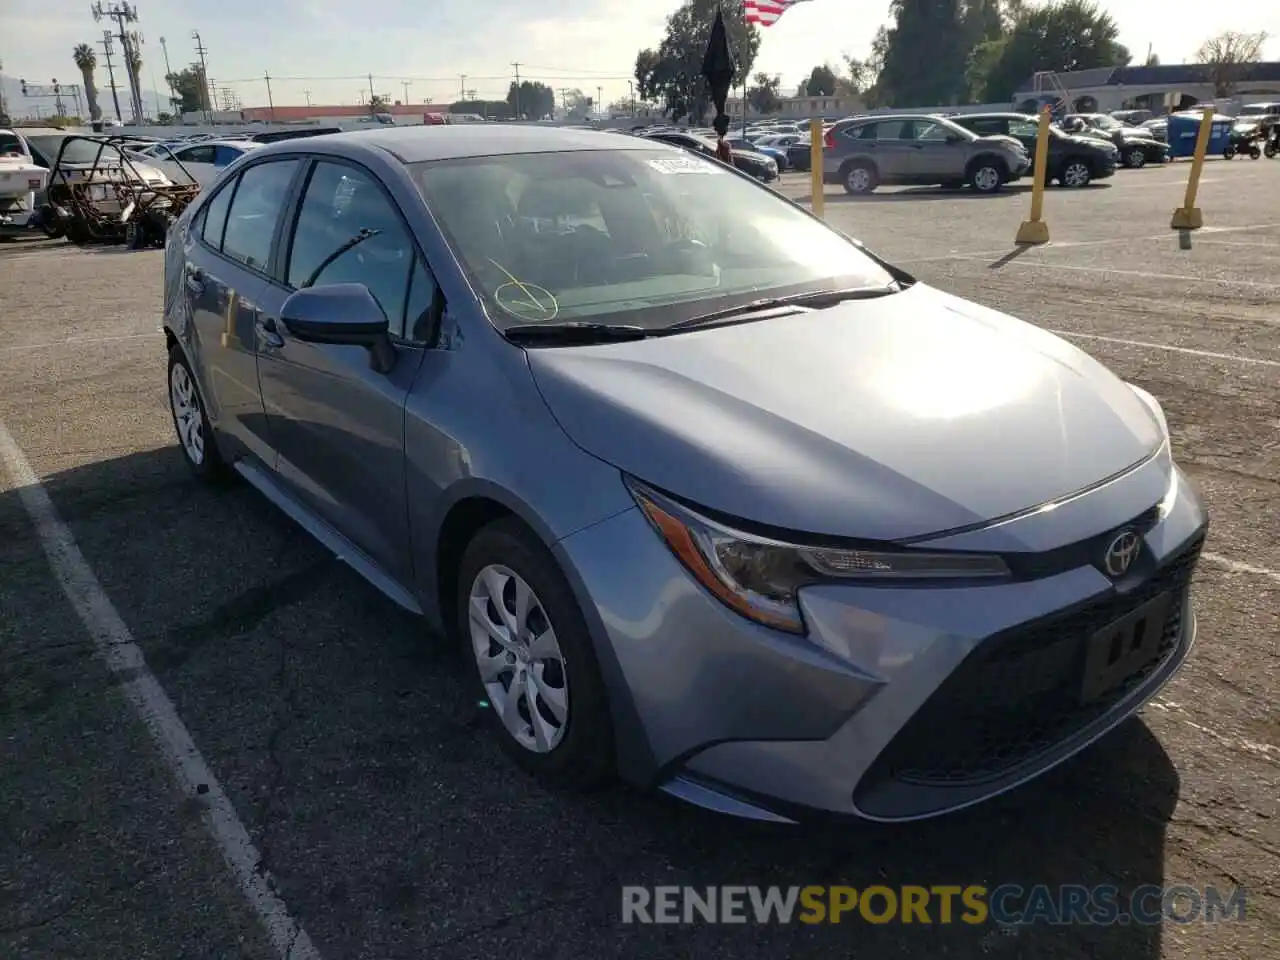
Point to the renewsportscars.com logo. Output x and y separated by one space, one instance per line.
1005 905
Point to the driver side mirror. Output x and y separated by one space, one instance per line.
954 138
343 314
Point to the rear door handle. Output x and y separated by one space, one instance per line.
195 280
267 332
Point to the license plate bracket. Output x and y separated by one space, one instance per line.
1124 646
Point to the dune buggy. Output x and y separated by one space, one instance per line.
102 191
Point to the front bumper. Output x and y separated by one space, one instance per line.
898 704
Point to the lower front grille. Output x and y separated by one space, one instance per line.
1018 694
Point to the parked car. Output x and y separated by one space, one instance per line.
778 156
1072 161
1137 147
202 160
708 495
863 153
751 162
1158 127
22 186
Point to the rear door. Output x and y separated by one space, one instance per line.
338 424
228 252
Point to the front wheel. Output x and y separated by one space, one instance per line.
986 177
1229 153
1269 150
531 659
1076 174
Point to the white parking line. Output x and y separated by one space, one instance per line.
1261 284
49 344
1165 346
124 659
1236 566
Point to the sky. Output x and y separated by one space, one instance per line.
327 47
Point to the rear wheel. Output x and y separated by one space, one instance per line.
1136 157
195 434
859 179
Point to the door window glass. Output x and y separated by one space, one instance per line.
341 202
255 209
215 216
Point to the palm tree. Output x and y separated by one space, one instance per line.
87 61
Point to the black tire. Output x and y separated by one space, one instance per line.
584 757
987 175
134 238
1255 153
1229 153
1270 151
859 178
211 468
1135 158
1076 174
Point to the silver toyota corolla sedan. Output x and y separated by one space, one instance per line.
710 496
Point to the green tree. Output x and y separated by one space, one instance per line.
1061 36
87 61
531 99
927 48
190 91
763 95
821 82
489 109
856 74
672 74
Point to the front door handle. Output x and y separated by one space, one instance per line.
267 332
195 280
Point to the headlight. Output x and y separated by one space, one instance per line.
760 578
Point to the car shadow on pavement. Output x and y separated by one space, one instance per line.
393 825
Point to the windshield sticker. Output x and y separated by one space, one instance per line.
674 165
527 301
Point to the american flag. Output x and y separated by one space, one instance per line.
765 13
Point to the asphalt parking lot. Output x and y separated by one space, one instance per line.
393 829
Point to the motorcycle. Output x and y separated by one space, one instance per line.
1270 133
1245 138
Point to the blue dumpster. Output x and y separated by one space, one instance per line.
1184 128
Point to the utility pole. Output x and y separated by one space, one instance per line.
168 74
600 99
123 13
372 95
307 96
271 104
206 91
107 50
462 86
405 85
516 67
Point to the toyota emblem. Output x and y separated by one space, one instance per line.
1121 553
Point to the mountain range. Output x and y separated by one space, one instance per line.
19 107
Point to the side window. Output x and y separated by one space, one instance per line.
419 318
255 208
215 216
870 131
1023 129
201 154
340 204
929 132
986 127
224 155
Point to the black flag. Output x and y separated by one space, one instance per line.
718 68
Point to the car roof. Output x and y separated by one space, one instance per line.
1002 115
457 141
246 144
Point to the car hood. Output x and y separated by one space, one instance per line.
884 419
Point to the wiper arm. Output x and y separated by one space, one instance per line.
364 234
819 299
571 332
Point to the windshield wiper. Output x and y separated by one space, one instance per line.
364 234
574 331
817 299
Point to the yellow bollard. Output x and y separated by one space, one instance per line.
816 180
1187 216
1036 230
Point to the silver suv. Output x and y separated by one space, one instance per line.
862 153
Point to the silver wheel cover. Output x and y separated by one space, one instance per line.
186 413
519 658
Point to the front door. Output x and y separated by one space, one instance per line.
935 160
336 423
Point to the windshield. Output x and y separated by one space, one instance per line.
1260 109
644 237
1106 123
78 150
